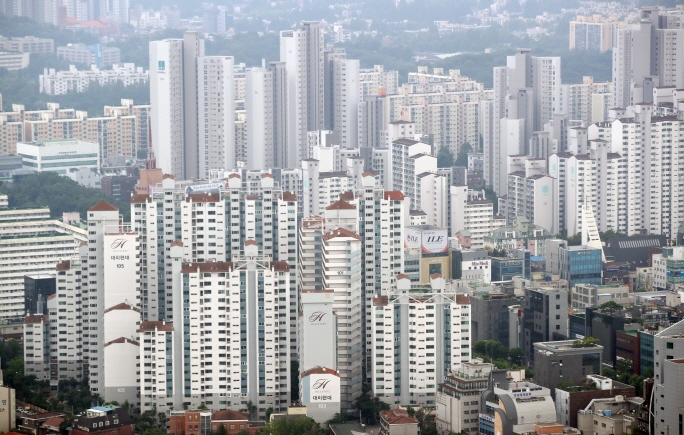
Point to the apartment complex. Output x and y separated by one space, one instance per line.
122 131
62 82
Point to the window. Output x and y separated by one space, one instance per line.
670 345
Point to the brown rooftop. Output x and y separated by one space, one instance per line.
219 266
394 195
36 318
63 265
122 306
341 205
203 197
103 206
288 196
280 266
158 325
319 371
340 232
122 340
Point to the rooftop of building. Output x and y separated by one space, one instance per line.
562 346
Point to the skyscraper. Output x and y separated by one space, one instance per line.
302 52
648 54
192 99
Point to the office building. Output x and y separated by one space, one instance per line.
591 295
520 405
563 361
302 52
432 353
60 156
571 400
545 318
616 414
489 317
647 55
101 57
458 398
580 265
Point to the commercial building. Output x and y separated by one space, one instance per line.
616 414
435 310
106 420
426 252
516 264
580 265
545 318
53 82
27 44
489 317
667 397
96 54
591 295
565 361
517 406
60 156
668 268
12 60
458 398
573 399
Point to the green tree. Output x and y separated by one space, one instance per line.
610 234
337 418
490 349
369 407
462 157
60 194
222 430
445 158
516 355
610 307
586 342
292 426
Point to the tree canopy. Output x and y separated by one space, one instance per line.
445 158
59 193
293 426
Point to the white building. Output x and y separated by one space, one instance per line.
215 115
31 243
458 398
579 100
527 93
13 61
62 82
647 54
346 101
302 52
410 158
420 318
60 156
472 212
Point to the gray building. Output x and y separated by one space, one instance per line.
545 318
668 394
489 317
558 361
37 288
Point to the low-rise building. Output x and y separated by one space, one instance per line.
94 54
397 422
190 422
60 156
12 60
570 400
522 234
103 420
458 398
612 415
591 295
27 44
54 82
565 361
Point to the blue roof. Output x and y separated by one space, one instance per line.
537 258
101 408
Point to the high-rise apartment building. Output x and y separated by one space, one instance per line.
588 101
648 55
434 324
592 33
527 92
302 52
193 109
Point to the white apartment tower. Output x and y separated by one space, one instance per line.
419 336
267 116
302 52
527 92
346 99
647 55
112 315
215 115
192 108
